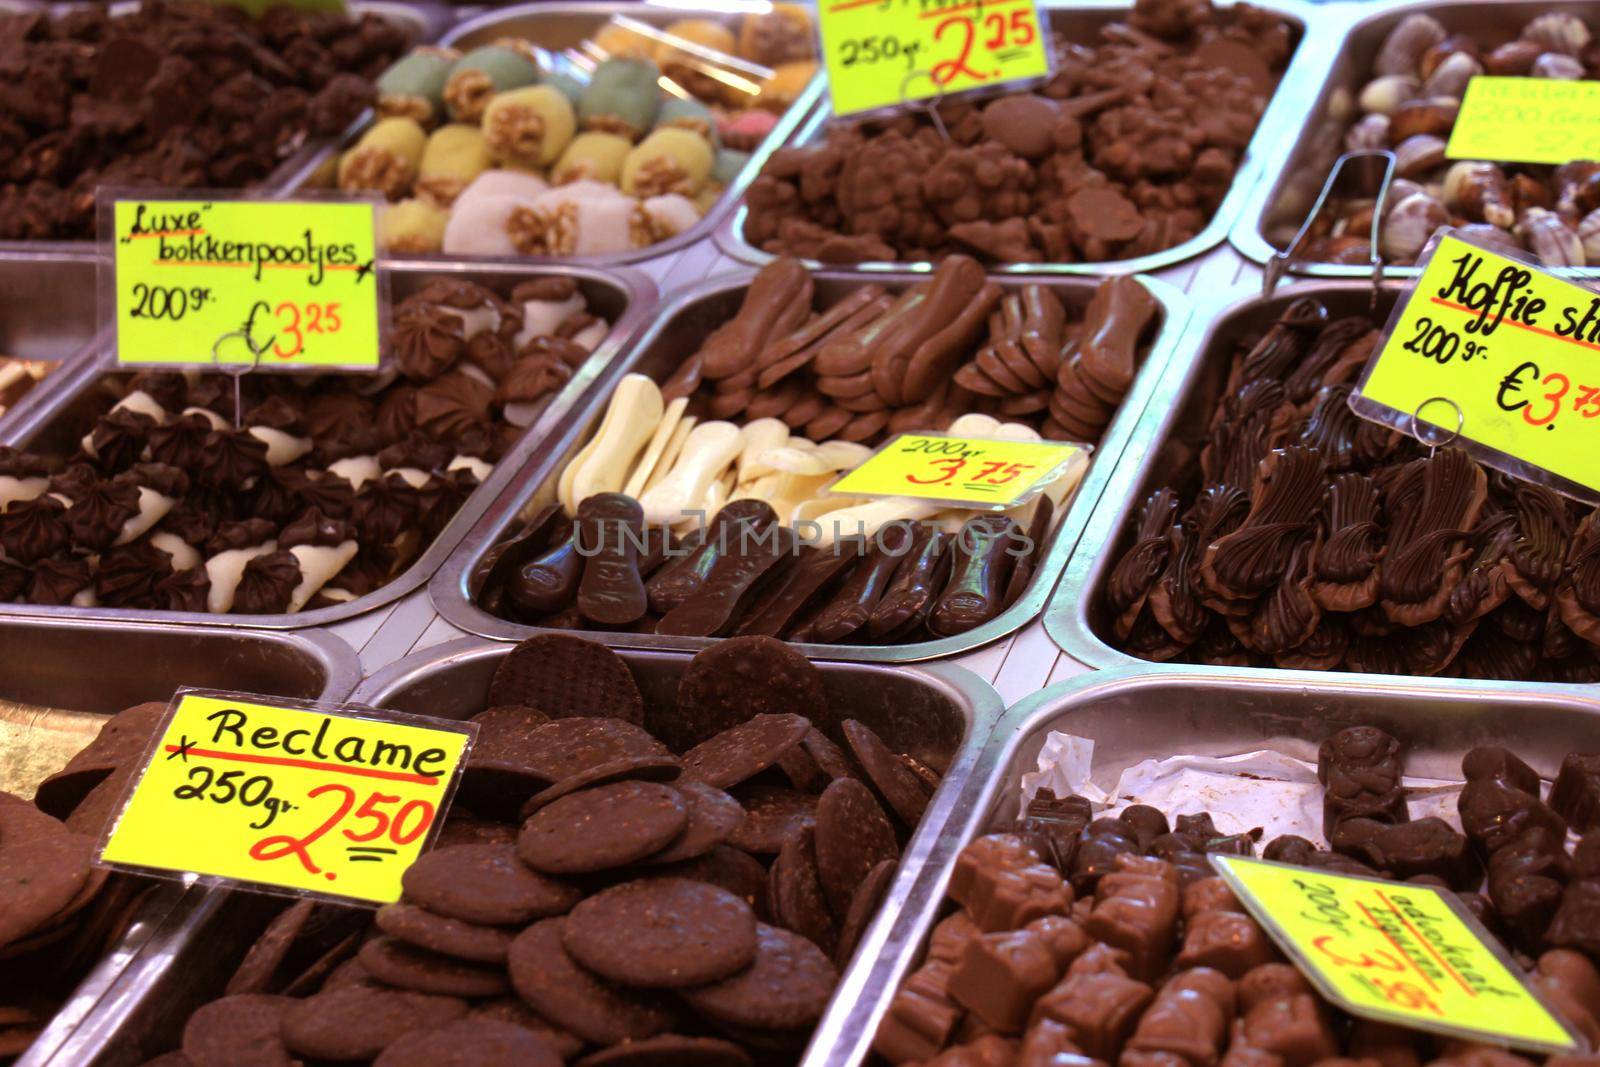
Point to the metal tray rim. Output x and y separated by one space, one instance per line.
729 235
1025 718
448 587
1246 234
69 361
639 295
732 194
927 847
1066 617
123 961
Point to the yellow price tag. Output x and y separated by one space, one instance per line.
1395 952
207 281
1513 350
881 53
293 797
961 471
1527 120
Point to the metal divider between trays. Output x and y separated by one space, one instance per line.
190 960
653 349
145 950
1310 19
631 297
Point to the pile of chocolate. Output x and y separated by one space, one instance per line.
1419 77
172 94
876 364
58 913
1311 538
1082 939
745 574
648 884
326 487
1128 149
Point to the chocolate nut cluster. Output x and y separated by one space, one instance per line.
1083 940
312 490
172 94
1126 150
58 912
1409 108
597 896
1304 536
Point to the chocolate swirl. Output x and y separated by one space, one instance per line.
1323 650
1346 569
1331 428
184 590
58 579
278 413
450 407
30 530
180 441
1284 499
167 388
231 459
266 585
1320 367
427 340
315 528
383 509
1427 546
127 575
15 463
1483 587
233 536
1534 560
1134 574
96 518
1289 615
14 579
1174 601
119 439
1282 346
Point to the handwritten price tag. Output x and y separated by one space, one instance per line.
962 471
881 53
1527 120
1395 952
301 798
1516 350
297 278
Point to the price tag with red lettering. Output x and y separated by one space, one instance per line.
269 284
288 796
1398 953
882 53
965 472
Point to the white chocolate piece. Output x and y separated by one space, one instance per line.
141 403
865 520
760 488
793 490
485 318
184 556
370 384
153 507
217 421
479 468
342 596
674 449
281 447
670 214
477 373
87 444
816 507
658 443
791 460
973 424
413 477
66 501
319 564
357 470
759 436
842 455
85 598
602 466
225 569
541 318
14 490
590 336
1015 431
709 449
716 497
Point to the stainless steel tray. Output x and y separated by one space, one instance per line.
564 24
941 710
84 673
57 420
47 311
1158 711
1165 448
426 21
680 327
1081 20
1313 136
